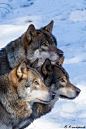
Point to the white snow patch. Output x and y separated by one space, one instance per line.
77 15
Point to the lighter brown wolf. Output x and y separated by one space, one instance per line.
19 89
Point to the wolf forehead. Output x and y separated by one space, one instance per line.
62 71
48 36
43 36
57 73
35 73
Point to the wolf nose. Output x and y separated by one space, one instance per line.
77 91
53 94
60 53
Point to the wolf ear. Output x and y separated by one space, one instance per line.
18 73
34 64
46 67
22 70
60 62
31 31
49 27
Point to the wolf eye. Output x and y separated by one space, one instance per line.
44 44
62 80
26 86
36 83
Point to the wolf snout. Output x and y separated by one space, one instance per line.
77 91
53 94
60 53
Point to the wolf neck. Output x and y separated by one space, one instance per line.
15 53
3 85
10 101
40 62
6 91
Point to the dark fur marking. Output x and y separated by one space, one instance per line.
63 70
48 35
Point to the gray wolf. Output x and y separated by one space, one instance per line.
31 45
19 89
56 79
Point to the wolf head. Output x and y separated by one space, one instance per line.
57 79
29 84
41 44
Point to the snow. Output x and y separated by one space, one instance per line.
70 30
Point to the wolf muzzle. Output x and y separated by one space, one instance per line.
53 94
77 91
60 53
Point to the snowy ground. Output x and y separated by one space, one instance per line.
70 30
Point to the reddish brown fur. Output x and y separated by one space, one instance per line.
16 95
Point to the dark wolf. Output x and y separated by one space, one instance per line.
31 45
19 89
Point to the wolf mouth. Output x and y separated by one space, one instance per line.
42 101
65 97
